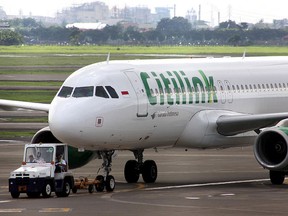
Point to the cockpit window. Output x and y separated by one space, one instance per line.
65 92
86 91
112 92
101 92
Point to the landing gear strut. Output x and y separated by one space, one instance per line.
106 181
134 168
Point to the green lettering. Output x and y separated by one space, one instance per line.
161 90
176 88
167 87
198 85
152 99
212 97
189 87
182 87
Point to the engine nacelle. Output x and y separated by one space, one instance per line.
271 149
76 158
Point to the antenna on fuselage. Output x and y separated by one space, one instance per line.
108 58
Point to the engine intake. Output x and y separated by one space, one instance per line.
270 149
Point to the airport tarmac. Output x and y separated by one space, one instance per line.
194 182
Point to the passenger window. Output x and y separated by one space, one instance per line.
100 92
86 91
255 87
65 92
111 91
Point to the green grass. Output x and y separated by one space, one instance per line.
27 120
18 135
228 50
39 96
32 83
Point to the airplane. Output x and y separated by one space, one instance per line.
205 103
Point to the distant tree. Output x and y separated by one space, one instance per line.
177 26
24 23
244 25
229 25
8 38
133 35
234 40
114 32
74 36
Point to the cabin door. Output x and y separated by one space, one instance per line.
142 100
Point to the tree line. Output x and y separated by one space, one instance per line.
175 31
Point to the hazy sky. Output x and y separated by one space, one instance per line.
239 10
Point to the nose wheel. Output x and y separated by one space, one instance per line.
134 168
106 181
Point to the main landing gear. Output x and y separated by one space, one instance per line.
134 168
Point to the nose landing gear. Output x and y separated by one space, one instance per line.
106 181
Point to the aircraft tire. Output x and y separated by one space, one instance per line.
131 171
110 183
277 177
149 171
100 186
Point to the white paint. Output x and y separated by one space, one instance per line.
206 184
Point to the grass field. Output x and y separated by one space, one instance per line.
63 60
190 50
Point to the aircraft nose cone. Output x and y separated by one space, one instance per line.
64 123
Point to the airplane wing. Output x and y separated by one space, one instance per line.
11 105
229 125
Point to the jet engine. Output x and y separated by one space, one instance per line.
76 158
271 149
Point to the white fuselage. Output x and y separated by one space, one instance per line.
158 98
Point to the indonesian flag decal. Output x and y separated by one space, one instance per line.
125 93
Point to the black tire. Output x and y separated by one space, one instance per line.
65 190
91 188
101 184
131 171
276 177
15 195
110 183
149 171
47 190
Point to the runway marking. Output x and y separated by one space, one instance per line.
231 194
11 210
192 198
53 210
5 201
206 184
